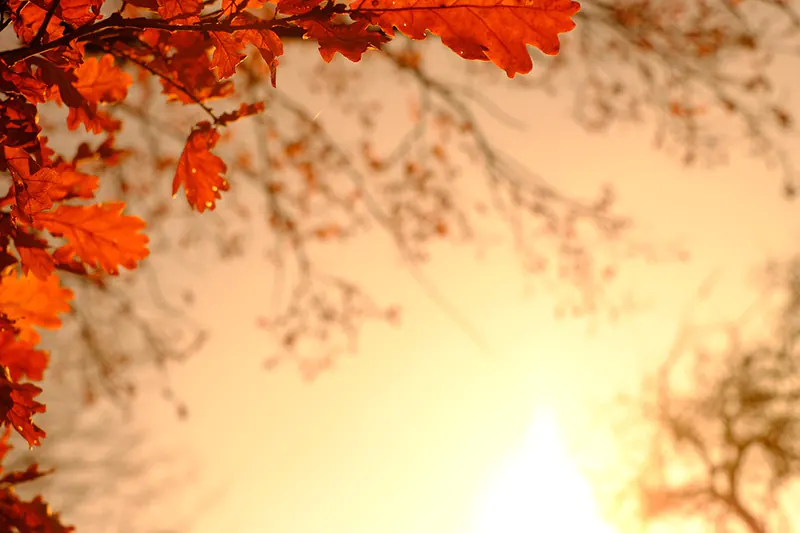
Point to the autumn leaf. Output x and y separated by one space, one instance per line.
29 301
297 7
493 30
17 407
34 516
350 40
33 193
182 63
227 53
79 12
230 7
243 111
180 11
99 235
33 254
21 80
29 474
199 171
102 81
28 19
266 41
21 358
94 120
19 123
72 184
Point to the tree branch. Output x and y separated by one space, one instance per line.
37 40
117 22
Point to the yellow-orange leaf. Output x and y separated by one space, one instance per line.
494 30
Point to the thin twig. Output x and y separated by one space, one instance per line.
47 18
169 80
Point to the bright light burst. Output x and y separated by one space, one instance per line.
540 489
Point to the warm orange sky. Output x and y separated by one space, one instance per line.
402 437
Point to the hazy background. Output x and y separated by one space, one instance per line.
402 436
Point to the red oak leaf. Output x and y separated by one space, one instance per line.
106 152
297 7
95 121
36 260
230 7
102 81
76 89
227 53
72 12
18 78
79 12
17 407
29 474
28 517
183 58
19 123
72 184
33 193
21 357
98 235
267 42
244 110
493 30
350 40
33 254
61 79
29 17
28 301
180 11
199 171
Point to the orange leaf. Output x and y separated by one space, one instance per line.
73 184
33 254
350 40
95 121
33 193
199 171
29 517
79 12
494 30
180 11
244 110
102 81
267 42
228 47
227 53
235 6
99 235
21 357
297 7
29 301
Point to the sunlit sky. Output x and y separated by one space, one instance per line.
406 435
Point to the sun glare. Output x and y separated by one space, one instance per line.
539 489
